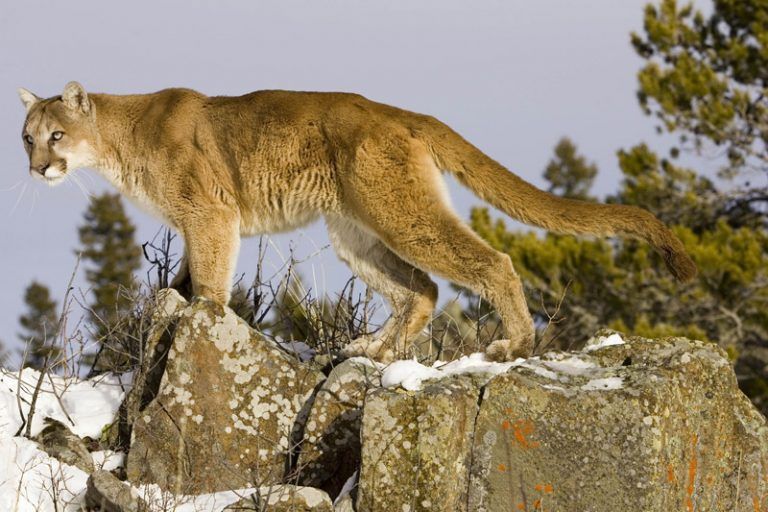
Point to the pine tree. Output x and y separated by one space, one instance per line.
568 173
39 325
108 246
674 194
705 79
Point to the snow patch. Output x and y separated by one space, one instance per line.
300 349
535 366
604 341
30 479
570 366
108 460
604 384
409 374
157 499
90 404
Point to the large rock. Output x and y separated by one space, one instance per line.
650 425
226 409
416 447
330 452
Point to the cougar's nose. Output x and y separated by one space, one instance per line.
40 169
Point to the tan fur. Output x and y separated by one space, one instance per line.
217 168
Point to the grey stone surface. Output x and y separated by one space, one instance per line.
225 412
416 447
108 494
652 425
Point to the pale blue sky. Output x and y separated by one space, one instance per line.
511 76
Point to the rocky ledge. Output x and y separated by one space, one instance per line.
626 424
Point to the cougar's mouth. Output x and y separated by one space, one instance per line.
52 176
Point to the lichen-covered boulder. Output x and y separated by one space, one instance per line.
649 425
330 452
284 498
226 409
416 447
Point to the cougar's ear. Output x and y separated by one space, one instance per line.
27 98
75 97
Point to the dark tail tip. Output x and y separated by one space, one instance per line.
680 264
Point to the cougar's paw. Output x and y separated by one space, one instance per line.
371 348
508 350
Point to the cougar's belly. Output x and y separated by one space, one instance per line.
281 209
275 201
262 221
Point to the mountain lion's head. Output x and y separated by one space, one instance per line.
59 133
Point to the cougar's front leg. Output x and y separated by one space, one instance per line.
212 242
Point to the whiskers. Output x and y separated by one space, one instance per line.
80 185
35 195
14 186
20 196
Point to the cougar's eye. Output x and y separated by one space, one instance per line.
29 140
57 135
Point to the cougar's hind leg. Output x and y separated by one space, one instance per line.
402 201
449 248
410 292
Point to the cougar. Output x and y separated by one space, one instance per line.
216 168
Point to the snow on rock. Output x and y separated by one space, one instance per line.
157 499
603 341
409 373
108 460
604 384
29 477
571 365
303 351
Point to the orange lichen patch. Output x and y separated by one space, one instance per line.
545 488
671 478
521 506
693 466
756 503
522 429
537 505
502 468
505 425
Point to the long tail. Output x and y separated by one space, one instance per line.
493 183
